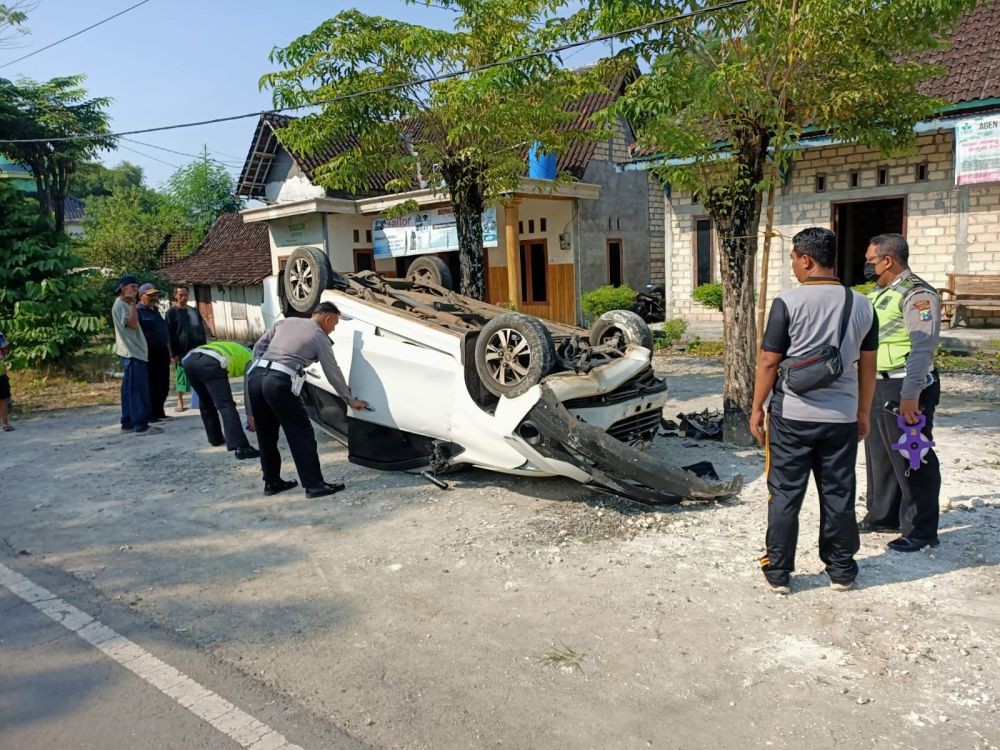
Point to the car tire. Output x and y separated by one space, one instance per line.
432 270
628 327
307 276
513 353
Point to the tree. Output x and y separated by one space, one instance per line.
200 192
47 304
12 20
730 91
45 112
124 231
94 179
464 136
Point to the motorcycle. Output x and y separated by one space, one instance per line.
651 305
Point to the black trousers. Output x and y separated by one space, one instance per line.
896 496
828 452
211 383
159 380
274 405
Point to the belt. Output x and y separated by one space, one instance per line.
220 358
267 364
892 374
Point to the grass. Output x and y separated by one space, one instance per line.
84 380
563 657
980 362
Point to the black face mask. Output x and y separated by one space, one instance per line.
870 273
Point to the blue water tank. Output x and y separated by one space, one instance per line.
541 166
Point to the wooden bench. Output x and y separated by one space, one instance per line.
969 291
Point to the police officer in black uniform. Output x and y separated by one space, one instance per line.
274 382
909 317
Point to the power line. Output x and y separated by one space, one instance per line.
148 156
67 38
395 86
230 165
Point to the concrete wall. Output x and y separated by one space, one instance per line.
949 228
288 182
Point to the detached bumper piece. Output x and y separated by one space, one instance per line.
615 465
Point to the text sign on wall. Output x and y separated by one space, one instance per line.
431 231
977 150
297 230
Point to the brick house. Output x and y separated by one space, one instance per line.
225 277
605 227
858 193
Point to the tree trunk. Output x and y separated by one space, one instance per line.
765 261
57 191
736 211
462 179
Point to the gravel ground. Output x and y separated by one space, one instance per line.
519 613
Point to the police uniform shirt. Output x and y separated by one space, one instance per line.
921 309
298 342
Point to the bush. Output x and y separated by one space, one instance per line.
46 300
597 302
672 331
710 295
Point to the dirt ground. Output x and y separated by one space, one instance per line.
519 613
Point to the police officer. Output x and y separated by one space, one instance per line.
909 317
209 368
274 383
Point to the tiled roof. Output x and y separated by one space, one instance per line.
233 253
74 209
172 248
581 150
972 58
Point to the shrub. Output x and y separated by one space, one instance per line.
597 302
672 331
710 295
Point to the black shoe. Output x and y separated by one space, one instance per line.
216 443
864 527
246 451
273 488
324 489
909 544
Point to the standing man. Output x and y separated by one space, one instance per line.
909 319
130 346
814 432
275 382
209 368
5 424
187 330
154 328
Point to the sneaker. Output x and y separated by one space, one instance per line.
273 488
150 431
778 588
327 488
841 586
246 451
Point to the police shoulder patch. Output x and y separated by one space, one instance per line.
926 315
922 304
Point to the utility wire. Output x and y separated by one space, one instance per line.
148 156
67 38
395 86
229 164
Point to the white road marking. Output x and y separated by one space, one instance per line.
236 724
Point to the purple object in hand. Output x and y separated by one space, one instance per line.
913 443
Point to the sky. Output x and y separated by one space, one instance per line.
174 61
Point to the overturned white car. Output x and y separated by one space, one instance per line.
451 381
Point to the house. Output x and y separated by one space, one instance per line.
562 239
20 177
225 276
947 205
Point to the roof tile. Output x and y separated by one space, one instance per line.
233 253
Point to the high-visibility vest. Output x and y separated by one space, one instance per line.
238 356
893 338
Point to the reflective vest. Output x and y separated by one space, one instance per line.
893 338
238 356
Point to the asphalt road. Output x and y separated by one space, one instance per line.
59 690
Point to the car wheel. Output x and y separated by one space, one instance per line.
513 353
430 270
307 275
621 327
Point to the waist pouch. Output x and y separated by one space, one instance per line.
820 366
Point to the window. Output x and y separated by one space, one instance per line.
883 176
531 226
520 227
542 225
364 260
615 262
820 183
368 236
357 236
703 251
922 172
855 179
534 272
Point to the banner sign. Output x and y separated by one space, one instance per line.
977 150
297 230
430 231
